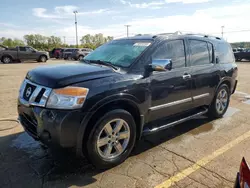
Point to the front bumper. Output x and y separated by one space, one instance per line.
56 128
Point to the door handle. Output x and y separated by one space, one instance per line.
186 76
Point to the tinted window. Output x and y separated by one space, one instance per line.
224 52
211 54
173 50
28 49
23 49
199 53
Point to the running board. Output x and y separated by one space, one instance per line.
156 129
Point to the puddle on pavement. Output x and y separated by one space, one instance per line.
202 129
243 97
231 111
247 102
27 144
203 126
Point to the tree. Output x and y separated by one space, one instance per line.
42 42
95 40
11 43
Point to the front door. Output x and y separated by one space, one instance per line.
26 53
170 90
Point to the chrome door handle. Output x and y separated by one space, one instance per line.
186 76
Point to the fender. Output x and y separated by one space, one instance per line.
98 105
227 79
117 97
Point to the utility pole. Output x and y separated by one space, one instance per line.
222 31
75 12
64 39
127 29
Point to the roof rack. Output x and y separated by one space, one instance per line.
175 33
203 35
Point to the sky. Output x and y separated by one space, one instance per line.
55 17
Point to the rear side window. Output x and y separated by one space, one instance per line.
225 53
211 54
22 49
173 50
200 54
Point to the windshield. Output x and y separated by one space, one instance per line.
120 53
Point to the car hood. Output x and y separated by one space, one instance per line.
57 76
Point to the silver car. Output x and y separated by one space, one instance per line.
80 53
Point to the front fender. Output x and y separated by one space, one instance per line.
117 97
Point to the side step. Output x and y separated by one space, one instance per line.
148 131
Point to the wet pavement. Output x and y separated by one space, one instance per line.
155 159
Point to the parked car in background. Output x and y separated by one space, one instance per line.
55 53
125 89
240 55
22 53
80 53
67 53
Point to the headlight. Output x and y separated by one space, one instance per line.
67 98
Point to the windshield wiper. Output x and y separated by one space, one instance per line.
101 62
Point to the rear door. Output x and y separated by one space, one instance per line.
205 75
170 90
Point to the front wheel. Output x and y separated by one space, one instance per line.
220 103
111 139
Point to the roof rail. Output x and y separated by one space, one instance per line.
175 33
203 35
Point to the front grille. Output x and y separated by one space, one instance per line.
29 124
33 94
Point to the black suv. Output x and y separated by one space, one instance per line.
125 89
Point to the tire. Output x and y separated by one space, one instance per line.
120 149
6 59
80 57
220 104
42 59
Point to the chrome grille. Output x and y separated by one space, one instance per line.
38 97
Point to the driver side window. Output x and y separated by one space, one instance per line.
173 50
28 49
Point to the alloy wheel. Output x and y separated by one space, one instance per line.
221 101
113 139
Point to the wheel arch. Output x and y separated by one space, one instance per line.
120 103
226 81
7 55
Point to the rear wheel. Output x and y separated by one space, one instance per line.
112 139
42 59
220 103
80 57
7 59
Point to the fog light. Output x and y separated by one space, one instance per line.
45 136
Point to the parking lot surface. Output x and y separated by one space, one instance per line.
198 153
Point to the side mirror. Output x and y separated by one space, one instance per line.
34 51
158 65
166 64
